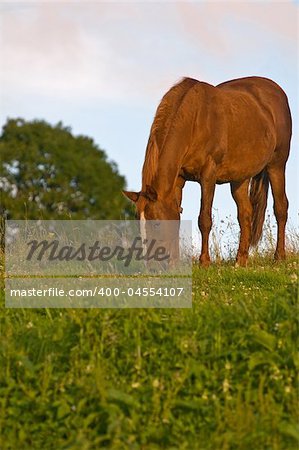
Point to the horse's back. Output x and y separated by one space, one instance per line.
269 96
253 84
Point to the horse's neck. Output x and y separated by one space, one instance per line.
169 166
162 165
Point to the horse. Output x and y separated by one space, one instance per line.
236 132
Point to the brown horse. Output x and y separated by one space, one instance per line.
238 132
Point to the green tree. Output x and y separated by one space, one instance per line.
46 172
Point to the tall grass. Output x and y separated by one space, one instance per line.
219 376
224 240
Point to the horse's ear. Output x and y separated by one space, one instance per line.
133 196
151 193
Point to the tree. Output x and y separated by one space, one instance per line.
48 173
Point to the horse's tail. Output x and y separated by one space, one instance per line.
258 196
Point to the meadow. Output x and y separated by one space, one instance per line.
221 375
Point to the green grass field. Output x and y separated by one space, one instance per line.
221 375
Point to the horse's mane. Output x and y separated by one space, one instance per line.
163 120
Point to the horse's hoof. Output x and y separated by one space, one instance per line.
279 257
242 262
204 263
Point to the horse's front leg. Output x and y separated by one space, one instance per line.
180 183
207 183
239 192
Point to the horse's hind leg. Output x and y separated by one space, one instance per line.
277 182
239 192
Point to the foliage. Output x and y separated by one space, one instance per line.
46 172
220 376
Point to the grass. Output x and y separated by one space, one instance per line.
221 375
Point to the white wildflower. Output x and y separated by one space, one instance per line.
204 396
156 383
225 385
228 365
293 277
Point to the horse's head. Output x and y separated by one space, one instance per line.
150 207
159 219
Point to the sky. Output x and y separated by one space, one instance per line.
102 68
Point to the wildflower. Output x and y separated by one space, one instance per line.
228 365
204 396
225 385
293 277
88 368
276 375
156 383
135 385
29 325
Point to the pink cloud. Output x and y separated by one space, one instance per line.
119 51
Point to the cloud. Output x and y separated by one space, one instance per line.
99 51
279 18
220 27
47 51
129 51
